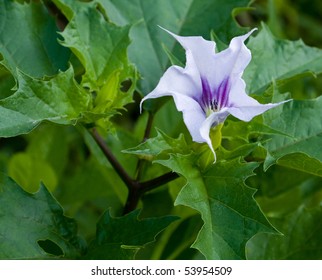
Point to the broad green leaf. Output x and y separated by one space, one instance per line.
301 239
50 143
184 17
58 100
28 40
122 237
32 226
101 47
282 190
231 215
7 82
178 244
90 181
44 159
302 162
278 180
282 59
29 171
301 120
181 233
111 178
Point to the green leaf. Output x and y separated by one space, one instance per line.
231 215
29 171
122 237
184 17
50 143
301 120
112 182
91 181
245 130
37 228
282 59
301 239
178 244
58 100
29 40
159 145
302 162
100 45
7 82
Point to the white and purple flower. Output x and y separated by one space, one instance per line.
210 87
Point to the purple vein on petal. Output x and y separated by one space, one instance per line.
206 96
223 93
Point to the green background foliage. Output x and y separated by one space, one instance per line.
72 70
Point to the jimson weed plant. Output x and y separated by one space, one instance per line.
97 163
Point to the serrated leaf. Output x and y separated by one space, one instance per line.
231 215
282 59
277 181
244 130
184 17
101 47
29 221
58 100
122 237
301 120
301 239
161 144
29 40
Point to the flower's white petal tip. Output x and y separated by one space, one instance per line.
215 159
247 35
253 30
161 27
212 149
141 103
285 101
141 106
166 30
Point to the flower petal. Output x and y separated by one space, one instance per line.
228 64
246 113
193 115
181 85
244 107
199 52
175 79
239 55
214 119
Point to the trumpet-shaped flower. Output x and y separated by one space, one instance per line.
210 87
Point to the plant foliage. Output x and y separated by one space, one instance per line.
86 175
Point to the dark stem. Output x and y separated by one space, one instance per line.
136 188
132 200
148 127
136 193
114 162
159 181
